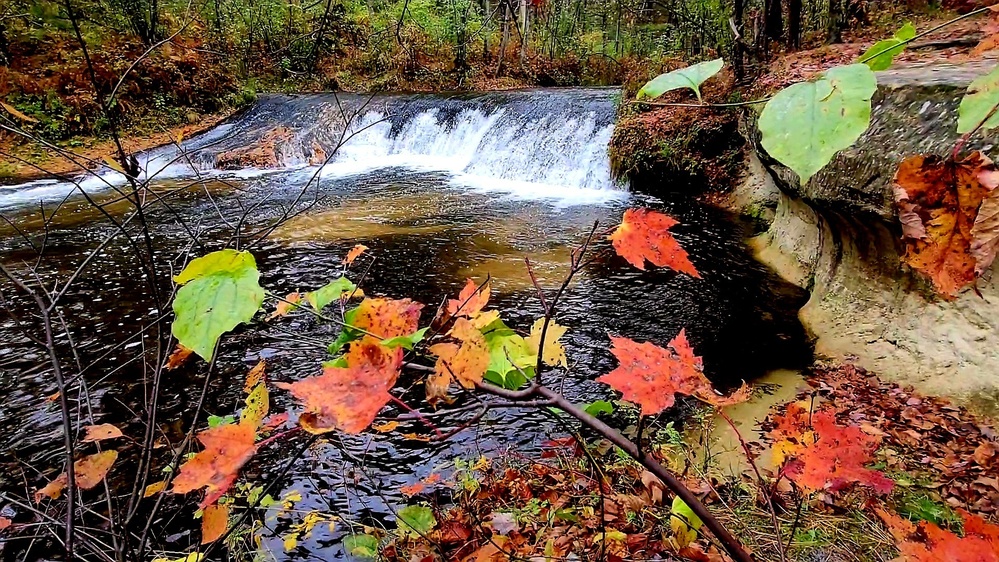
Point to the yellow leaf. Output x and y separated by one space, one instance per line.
13 111
554 353
192 557
254 377
154 488
257 406
290 542
385 427
214 523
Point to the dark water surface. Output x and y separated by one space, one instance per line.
443 208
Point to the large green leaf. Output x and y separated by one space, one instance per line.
509 356
978 103
807 123
331 292
415 520
361 545
888 49
221 290
690 77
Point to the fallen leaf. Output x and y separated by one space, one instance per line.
5 522
226 449
214 522
644 235
412 489
929 543
88 473
154 488
13 111
179 356
101 432
255 376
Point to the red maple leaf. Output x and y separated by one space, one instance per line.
348 398
828 456
644 235
929 543
651 376
215 468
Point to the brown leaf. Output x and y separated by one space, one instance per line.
254 377
88 472
13 111
4 523
101 432
945 196
179 356
985 453
985 233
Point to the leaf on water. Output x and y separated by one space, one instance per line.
470 301
214 522
348 398
88 472
415 520
690 77
255 376
335 290
285 306
101 432
644 235
927 542
978 104
220 291
888 49
361 545
651 376
354 253
466 362
405 342
179 356
154 488
804 125
216 467
949 217
554 352
14 111
257 406
824 455
412 489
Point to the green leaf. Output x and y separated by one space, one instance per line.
599 407
508 351
416 520
347 334
221 290
684 523
215 421
333 291
888 49
807 123
361 545
690 77
981 99
680 508
406 342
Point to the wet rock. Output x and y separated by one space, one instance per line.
838 236
267 153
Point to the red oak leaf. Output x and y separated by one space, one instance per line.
644 235
929 543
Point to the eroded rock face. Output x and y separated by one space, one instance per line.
839 237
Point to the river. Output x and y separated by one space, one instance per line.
440 188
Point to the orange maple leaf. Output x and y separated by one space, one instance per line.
354 253
348 398
87 473
285 306
467 362
412 489
651 376
470 301
388 318
826 456
215 468
929 543
644 235
179 356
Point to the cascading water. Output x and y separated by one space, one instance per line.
530 144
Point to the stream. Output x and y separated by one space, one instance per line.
441 189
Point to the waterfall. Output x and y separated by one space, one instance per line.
535 144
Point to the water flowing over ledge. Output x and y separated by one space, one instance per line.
537 144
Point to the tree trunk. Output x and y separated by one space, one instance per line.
505 40
738 14
525 30
4 47
835 21
773 20
794 8
486 18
